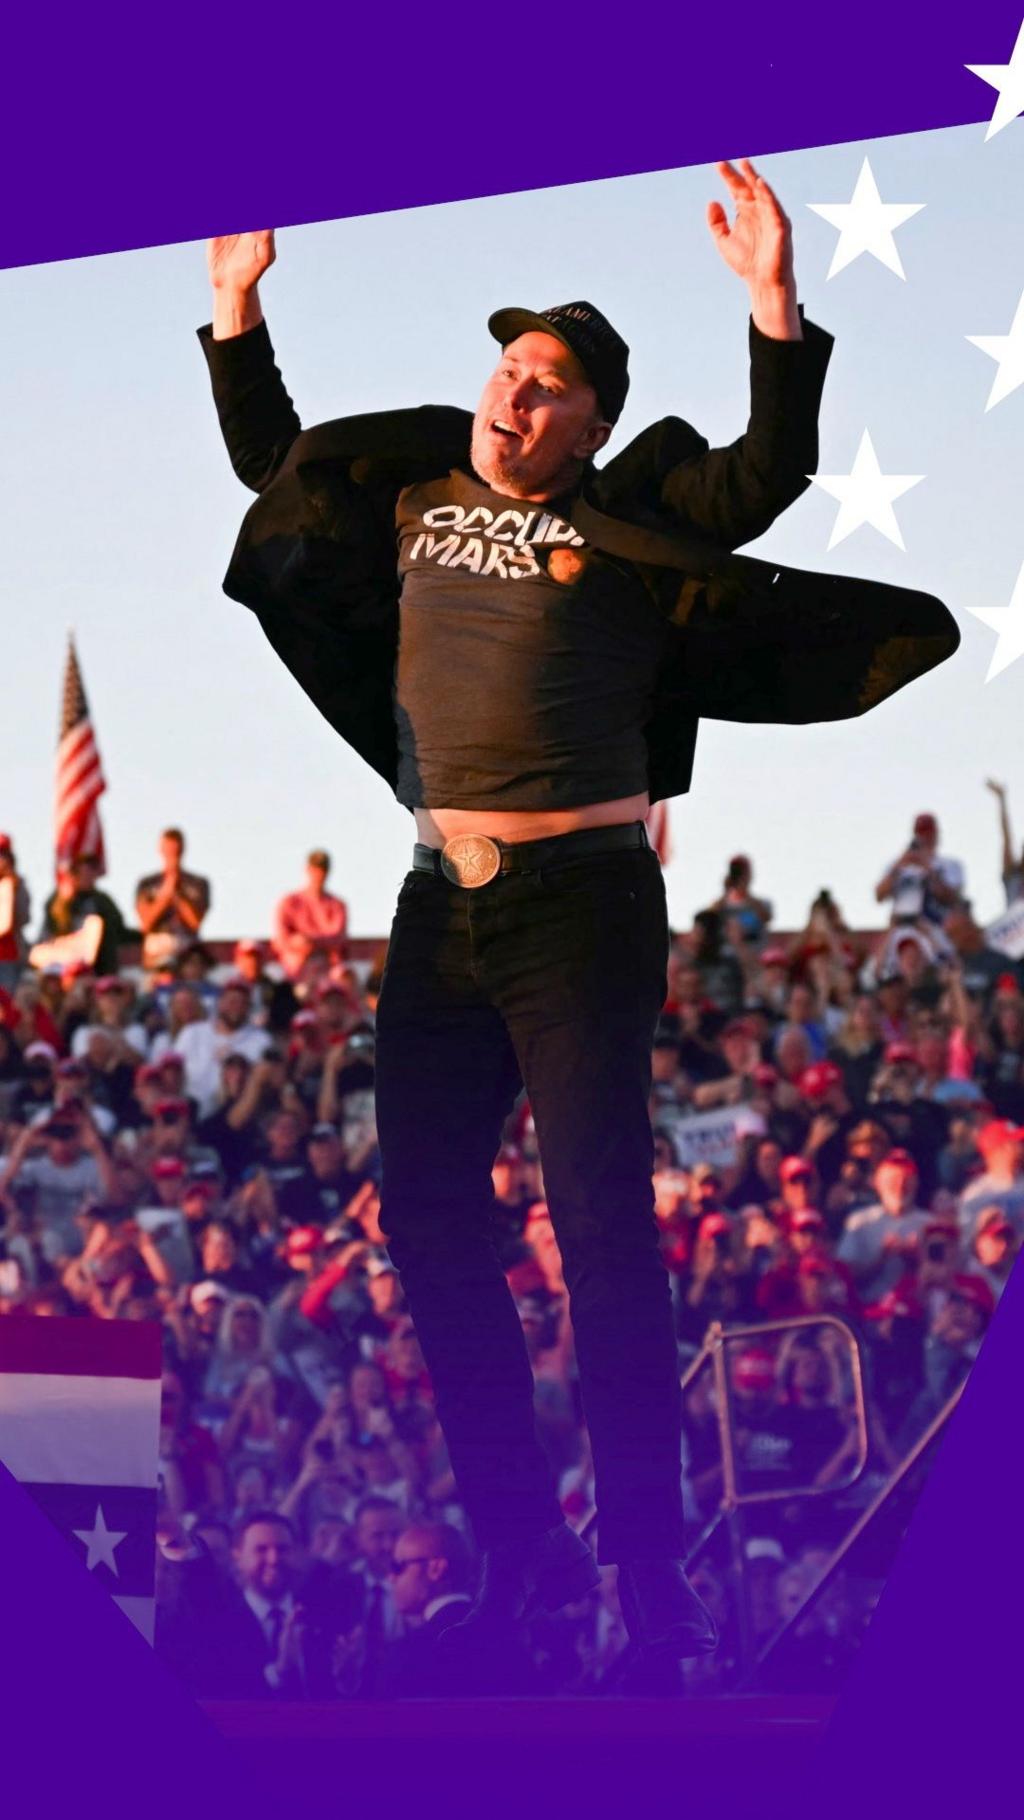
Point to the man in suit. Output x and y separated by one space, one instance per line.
528 682
274 1634
431 1578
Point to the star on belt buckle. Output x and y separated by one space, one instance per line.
470 860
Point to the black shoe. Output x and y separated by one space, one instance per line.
542 1573
649 1674
665 1618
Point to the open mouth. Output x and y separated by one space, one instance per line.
500 428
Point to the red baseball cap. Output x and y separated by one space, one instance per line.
148 1071
203 1186
171 1059
819 1079
303 1020
795 1169
1008 983
925 824
167 1168
774 957
301 1241
110 982
997 1133
235 983
995 1220
326 987
171 1108
900 1159
900 1052
753 1369
765 1075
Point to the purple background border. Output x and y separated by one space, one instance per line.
129 131
126 132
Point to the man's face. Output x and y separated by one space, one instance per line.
185 1007
412 1583
218 1249
332 1009
63 1151
385 1292
896 1187
793 1054
910 961
994 1247
209 1314
769 1157
538 419
170 853
796 1192
801 1005
283 1136
376 1534
265 1558
233 1007
316 878
1004 1159
325 1156
740 1053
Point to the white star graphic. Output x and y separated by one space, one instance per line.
1008 350
865 224
1008 78
100 1541
865 495
1008 624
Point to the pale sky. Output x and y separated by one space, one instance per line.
121 511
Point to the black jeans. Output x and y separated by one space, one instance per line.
553 979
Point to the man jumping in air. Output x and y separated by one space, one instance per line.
520 643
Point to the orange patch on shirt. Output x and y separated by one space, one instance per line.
565 565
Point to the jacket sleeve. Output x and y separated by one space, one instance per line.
734 494
258 421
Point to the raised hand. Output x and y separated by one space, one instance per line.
237 262
759 244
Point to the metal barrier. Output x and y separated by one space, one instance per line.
733 1500
896 1481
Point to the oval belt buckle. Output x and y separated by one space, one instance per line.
470 860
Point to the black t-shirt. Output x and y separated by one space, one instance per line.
527 660
318 1200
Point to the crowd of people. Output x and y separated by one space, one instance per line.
839 1137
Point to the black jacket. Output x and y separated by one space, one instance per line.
752 641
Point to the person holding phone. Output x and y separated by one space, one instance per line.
52 1170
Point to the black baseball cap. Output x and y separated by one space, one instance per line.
598 347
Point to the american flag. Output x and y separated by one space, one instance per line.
80 779
657 831
80 1430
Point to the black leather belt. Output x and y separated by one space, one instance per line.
472 860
